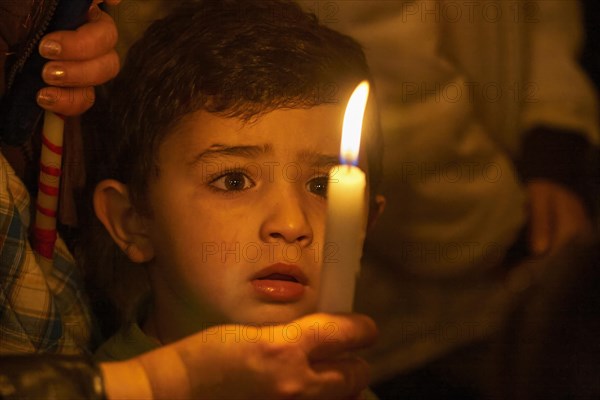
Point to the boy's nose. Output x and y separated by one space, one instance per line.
286 221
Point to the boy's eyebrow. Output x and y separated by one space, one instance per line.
312 158
317 159
217 150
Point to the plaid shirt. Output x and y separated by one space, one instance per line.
40 311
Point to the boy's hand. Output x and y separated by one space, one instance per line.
305 359
81 59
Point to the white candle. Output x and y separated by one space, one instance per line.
346 213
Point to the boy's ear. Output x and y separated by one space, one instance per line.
118 215
375 210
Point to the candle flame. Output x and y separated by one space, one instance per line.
353 120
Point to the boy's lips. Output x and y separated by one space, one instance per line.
280 283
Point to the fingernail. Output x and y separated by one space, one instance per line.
54 73
50 48
47 97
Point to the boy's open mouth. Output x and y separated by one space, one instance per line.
282 272
279 277
280 283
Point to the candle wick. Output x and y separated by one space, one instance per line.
348 161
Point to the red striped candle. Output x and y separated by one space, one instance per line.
49 187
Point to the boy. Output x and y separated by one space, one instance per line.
226 121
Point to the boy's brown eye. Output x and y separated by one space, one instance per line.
318 186
232 181
235 181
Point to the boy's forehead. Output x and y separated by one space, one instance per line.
318 127
310 137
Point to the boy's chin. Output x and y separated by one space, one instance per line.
274 314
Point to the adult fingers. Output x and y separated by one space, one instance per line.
91 40
333 334
540 230
109 2
572 219
66 101
82 73
341 378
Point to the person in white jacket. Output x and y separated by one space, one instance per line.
488 120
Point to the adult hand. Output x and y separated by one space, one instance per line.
557 216
306 359
81 59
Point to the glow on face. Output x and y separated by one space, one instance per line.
238 203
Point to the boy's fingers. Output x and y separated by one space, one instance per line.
343 378
82 73
330 335
91 40
66 101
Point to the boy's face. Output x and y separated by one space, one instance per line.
237 216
